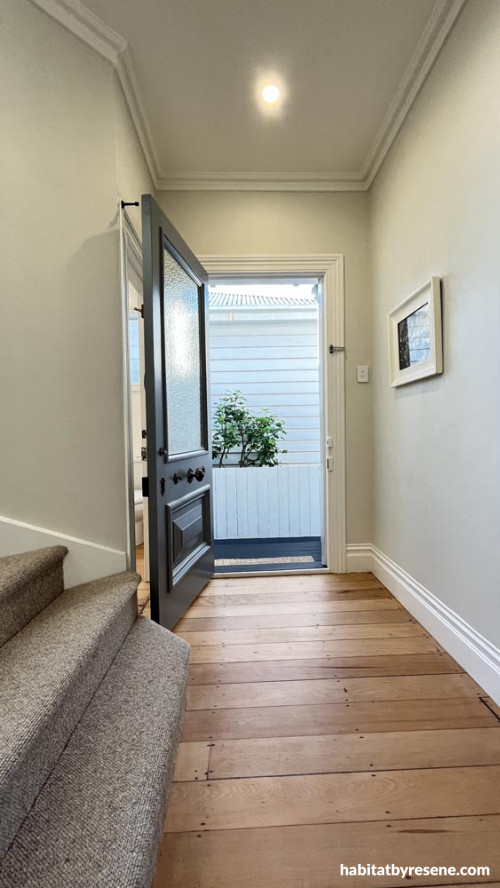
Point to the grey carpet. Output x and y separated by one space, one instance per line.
28 583
98 821
49 672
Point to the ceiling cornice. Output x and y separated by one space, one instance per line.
85 25
253 181
74 16
444 16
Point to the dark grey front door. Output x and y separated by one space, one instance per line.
178 442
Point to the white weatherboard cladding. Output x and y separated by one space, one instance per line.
273 358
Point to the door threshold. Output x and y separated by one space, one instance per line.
261 555
272 573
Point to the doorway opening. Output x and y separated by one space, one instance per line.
267 394
138 554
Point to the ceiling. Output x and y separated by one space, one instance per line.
349 72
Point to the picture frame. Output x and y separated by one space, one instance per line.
415 335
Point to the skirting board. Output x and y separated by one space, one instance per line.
85 560
473 651
359 558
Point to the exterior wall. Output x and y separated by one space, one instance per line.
69 153
235 223
273 358
435 210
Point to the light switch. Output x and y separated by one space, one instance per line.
362 374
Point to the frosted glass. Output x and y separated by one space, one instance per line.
182 358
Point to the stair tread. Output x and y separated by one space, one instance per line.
16 570
28 583
99 817
49 671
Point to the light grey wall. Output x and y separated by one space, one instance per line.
68 152
435 210
272 222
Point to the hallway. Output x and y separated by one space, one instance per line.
322 719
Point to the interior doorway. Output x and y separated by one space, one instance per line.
136 427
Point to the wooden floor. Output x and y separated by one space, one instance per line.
143 590
326 727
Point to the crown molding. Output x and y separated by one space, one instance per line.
75 17
126 75
85 25
254 181
436 31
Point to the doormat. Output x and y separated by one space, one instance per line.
295 559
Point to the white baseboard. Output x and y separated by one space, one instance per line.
359 558
85 560
478 656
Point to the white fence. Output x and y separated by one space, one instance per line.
278 501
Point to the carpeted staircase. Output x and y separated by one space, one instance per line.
91 702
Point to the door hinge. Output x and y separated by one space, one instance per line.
141 311
145 485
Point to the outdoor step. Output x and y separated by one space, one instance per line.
28 583
99 817
49 672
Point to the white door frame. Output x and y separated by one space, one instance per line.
329 268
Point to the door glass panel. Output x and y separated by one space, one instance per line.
182 358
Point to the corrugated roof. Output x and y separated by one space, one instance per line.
246 300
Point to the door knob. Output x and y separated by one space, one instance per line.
199 474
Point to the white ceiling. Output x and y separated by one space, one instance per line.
350 70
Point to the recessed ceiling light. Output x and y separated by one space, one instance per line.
270 93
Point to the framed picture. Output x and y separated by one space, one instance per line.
415 335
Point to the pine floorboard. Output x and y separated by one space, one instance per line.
326 727
310 856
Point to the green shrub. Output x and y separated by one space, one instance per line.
254 437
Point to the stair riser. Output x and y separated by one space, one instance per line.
37 759
19 605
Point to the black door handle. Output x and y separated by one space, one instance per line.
199 474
